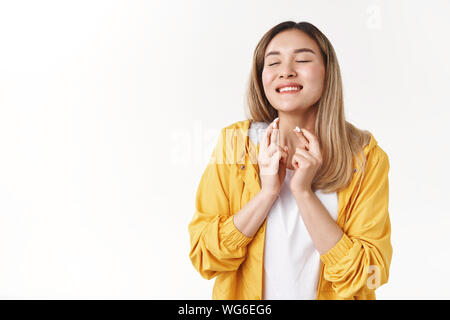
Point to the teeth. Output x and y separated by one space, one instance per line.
289 89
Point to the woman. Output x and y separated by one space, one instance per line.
294 201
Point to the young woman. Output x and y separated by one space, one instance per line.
294 201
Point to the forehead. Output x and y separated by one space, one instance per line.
289 40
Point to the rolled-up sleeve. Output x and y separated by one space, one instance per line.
216 244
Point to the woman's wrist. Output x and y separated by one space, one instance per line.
302 193
269 193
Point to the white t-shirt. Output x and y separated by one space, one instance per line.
291 262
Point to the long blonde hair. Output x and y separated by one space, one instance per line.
340 141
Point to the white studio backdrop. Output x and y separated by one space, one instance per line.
109 111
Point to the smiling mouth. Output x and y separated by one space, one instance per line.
289 90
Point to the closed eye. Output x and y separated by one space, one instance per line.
301 61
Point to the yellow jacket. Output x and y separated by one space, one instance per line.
352 269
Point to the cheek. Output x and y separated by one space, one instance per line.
314 74
314 78
266 78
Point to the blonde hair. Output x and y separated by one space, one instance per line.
340 141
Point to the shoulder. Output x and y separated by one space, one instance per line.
375 155
242 125
380 157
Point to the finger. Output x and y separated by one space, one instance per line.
272 151
275 133
279 151
301 137
305 154
294 162
264 140
283 161
296 159
283 153
314 145
274 148
268 133
274 137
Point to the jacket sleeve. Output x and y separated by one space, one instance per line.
216 244
360 261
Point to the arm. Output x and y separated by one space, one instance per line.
252 215
323 230
217 244
361 257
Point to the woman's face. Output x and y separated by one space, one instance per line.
292 58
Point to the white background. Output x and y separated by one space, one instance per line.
109 111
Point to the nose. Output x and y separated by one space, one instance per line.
287 71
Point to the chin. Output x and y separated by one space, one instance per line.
290 107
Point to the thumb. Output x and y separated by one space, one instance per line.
314 145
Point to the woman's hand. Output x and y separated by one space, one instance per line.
272 159
306 162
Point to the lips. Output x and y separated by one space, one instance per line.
289 85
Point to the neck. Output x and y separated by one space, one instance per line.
288 121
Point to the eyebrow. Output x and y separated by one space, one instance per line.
295 51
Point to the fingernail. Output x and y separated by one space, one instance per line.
275 123
297 129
